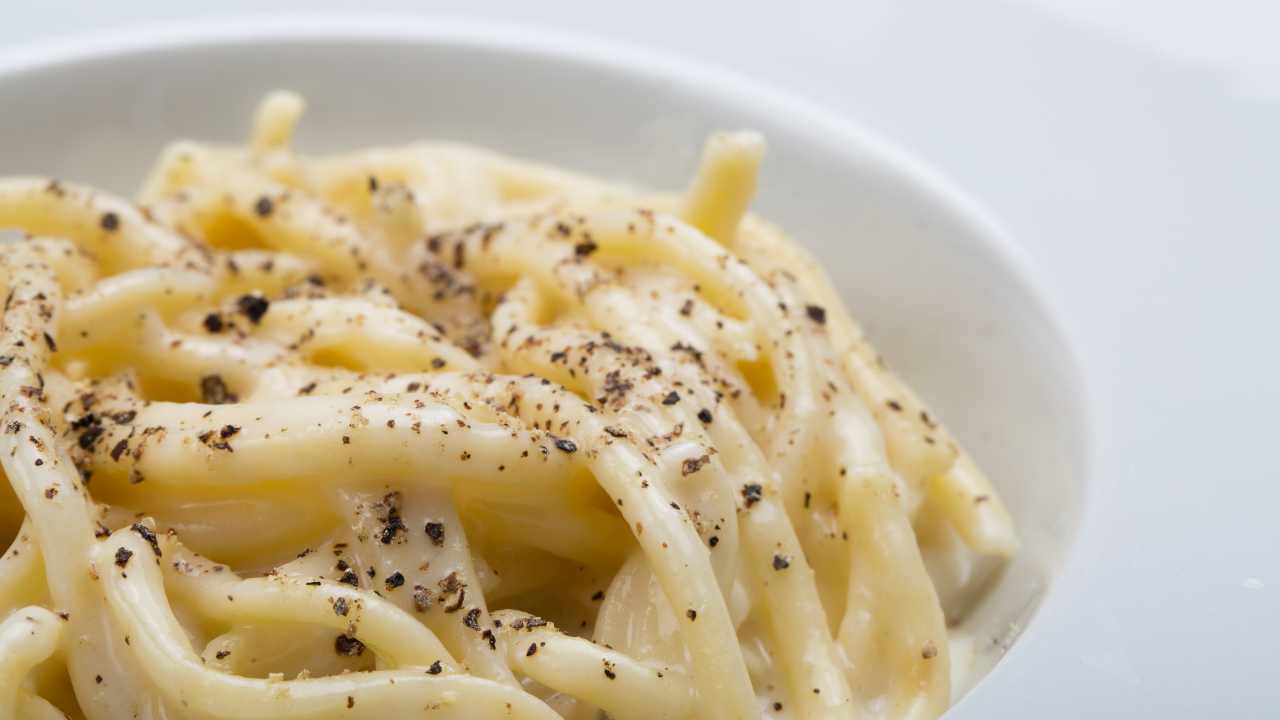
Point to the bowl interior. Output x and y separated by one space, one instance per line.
944 295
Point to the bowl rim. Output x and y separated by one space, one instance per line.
579 47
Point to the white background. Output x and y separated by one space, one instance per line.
1133 148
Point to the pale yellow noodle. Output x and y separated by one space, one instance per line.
431 432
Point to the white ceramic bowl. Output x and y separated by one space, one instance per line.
947 296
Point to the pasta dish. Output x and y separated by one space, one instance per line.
431 432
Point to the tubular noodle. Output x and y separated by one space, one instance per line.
810 656
112 305
620 685
297 223
381 438
44 478
21 572
264 271
70 211
456 381
27 637
136 598
397 638
672 546
724 279
34 707
807 650
942 465
645 424
368 337
897 623
723 185
73 268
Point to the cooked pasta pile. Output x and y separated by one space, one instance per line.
429 432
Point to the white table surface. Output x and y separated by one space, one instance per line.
1133 148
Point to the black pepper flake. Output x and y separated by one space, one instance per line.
437 363
148 535
693 465
222 654
615 431
264 206
713 541
533 650
472 619
124 418
122 556
394 526
777 707
459 256
780 562
435 668
894 405
450 583
109 221
752 493
816 313
253 306
929 651
608 671
350 578
691 614
705 416
672 398
348 646
48 340
213 391
351 702
213 323
227 431
690 350
807 497
491 638
597 596
687 308
584 249
90 437
566 445
341 607
307 389
97 679
435 531
421 598
394 580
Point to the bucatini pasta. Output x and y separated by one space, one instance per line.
430 432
